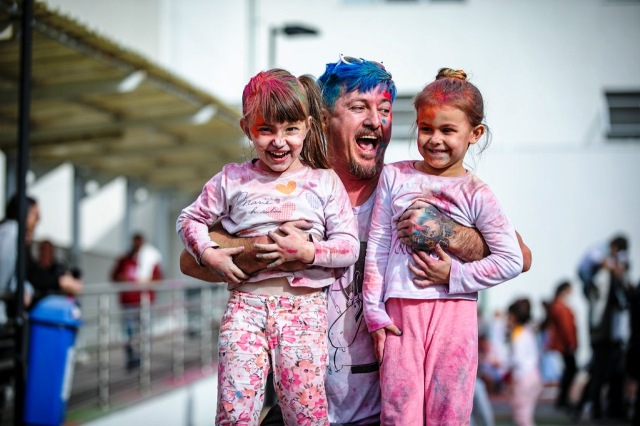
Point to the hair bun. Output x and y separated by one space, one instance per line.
451 73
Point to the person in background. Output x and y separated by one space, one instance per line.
141 265
524 375
633 349
9 253
563 338
601 256
8 285
50 276
493 352
608 338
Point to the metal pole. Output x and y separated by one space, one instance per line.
78 194
273 33
104 337
251 38
23 165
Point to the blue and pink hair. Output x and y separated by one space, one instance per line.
340 78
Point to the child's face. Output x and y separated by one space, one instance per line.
278 145
444 135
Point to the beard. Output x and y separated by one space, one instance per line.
365 172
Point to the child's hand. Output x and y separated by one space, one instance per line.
289 244
431 271
220 262
380 336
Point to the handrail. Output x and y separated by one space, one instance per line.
176 343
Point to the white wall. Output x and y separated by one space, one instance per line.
191 405
542 66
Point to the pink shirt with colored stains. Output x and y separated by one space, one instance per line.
465 199
251 202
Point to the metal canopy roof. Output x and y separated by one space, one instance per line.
108 110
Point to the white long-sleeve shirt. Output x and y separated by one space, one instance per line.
252 202
525 354
465 199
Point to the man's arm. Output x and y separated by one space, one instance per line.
423 227
245 260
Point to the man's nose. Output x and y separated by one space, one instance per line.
373 119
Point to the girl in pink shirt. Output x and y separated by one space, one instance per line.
275 317
421 307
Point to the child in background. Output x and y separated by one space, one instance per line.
429 356
275 317
526 382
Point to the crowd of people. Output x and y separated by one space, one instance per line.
608 386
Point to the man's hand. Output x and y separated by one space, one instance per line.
423 227
220 262
289 244
430 270
526 254
380 336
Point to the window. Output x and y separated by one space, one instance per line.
624 114
404 117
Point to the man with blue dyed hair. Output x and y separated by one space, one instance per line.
358 96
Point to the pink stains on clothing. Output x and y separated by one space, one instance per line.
251 202
428 374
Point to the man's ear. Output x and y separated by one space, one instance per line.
245 127
326 115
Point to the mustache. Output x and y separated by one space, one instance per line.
375 133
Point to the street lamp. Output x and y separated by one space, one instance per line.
290 30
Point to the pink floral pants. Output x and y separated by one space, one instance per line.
288 332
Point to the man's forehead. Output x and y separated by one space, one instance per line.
379 94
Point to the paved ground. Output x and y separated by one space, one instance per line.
547 414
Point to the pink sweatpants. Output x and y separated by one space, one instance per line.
288 332
428 374
525 392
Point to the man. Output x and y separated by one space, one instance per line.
563 338
610 257
141 265
358 96
607 331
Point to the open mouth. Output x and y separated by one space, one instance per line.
278 155
437 151
367 143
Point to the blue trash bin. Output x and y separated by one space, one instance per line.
53 325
